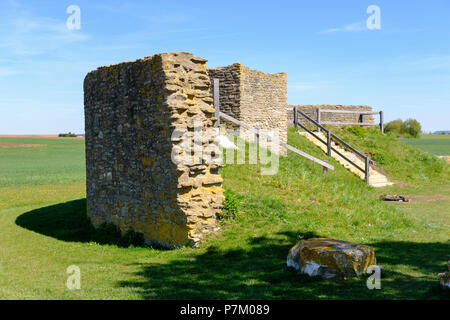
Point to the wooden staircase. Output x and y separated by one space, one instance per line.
376 178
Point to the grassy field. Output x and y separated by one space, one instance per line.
44 229
435 144
53 161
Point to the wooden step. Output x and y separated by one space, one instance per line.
376 179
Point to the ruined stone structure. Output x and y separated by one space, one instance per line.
135 116
256 98
311 111
131 111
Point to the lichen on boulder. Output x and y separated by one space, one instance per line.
444 278
330 258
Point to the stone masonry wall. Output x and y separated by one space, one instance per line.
264 101
230 88
131 111
256 98
311 111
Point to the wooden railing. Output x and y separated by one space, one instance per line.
258 132
330 148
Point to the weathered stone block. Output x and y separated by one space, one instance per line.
132 110
330 258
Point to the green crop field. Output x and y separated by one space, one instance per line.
44 230
435 144
53 161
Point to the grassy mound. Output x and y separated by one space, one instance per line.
301 198
402 162
300 202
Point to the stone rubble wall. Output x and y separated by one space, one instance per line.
311 111
264 101
256 98
229 89
131 111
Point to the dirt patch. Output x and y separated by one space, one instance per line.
39 136
12 145
428 198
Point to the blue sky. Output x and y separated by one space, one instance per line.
325 48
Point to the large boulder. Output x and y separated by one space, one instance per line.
330 258
444 278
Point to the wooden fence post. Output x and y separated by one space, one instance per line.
325 169
216 97
318 119
295 118
382 122
367 170
329 142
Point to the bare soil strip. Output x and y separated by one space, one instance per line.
38 136
10 144
428 198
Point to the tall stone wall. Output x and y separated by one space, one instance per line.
131 111
256 98
311 111
230 88
264 101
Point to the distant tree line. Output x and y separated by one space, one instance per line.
408 128
67 135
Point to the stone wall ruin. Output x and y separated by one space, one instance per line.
256 98
131 111
311 111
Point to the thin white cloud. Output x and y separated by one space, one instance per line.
8 72
354 27
438 62
137 10
30 35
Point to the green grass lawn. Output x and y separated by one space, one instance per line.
432 143
44 229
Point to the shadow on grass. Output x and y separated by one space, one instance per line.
257 268
259 272
68 222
